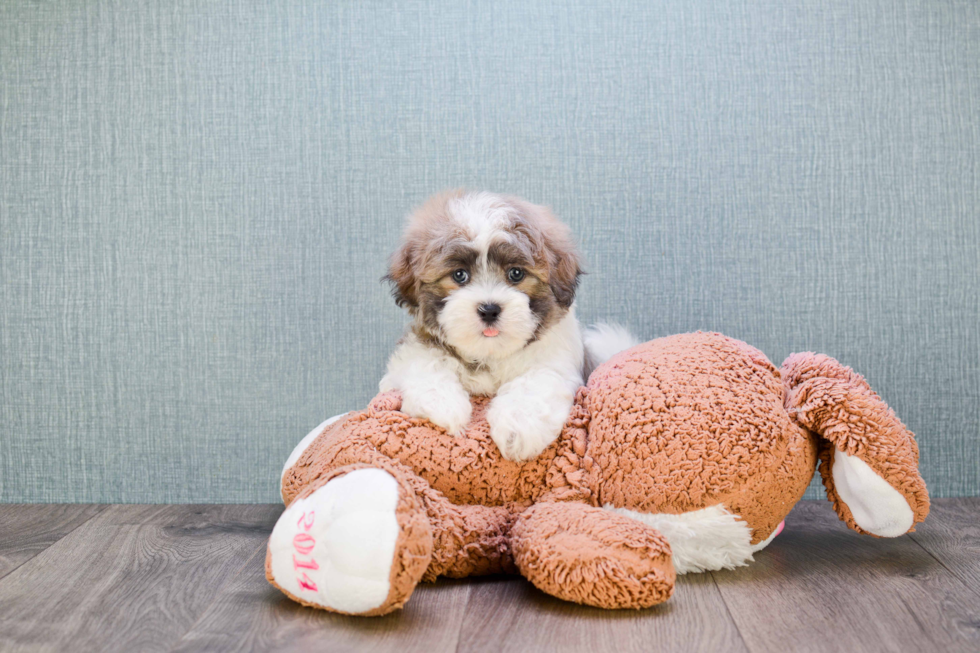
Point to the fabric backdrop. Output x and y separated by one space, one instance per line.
197 200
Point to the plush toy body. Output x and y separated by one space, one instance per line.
681 454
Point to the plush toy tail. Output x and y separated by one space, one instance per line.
868 459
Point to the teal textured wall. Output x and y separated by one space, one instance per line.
197 200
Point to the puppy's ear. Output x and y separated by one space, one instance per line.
553 240
401 275
424 227
564 275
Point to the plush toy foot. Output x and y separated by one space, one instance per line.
356 542
588 555
868 460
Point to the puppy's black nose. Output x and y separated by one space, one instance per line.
489 312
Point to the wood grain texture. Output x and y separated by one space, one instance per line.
952 535
510 615
190 578
134 578
251 615
26 530
822 587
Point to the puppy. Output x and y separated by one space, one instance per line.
489 281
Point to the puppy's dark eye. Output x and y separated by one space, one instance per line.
516 275
461 276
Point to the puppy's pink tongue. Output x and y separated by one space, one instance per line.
490 332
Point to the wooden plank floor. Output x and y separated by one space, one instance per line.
190 578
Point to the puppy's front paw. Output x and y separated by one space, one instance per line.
523 425
449 408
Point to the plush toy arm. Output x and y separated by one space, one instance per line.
868 459
589 555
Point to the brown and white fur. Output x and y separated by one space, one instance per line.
489 281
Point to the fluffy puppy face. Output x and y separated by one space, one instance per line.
484 275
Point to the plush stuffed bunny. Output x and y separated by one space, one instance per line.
681 454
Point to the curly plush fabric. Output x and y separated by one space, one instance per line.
695 420
465 469
689 425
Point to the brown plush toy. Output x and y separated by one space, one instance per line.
681 454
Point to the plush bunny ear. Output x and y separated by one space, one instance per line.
869 461
555 253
